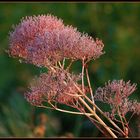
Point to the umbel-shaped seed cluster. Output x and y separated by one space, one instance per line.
55 87
116 94
44 40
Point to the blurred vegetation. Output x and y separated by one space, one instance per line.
117 24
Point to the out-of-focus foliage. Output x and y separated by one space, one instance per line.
18 119
117 24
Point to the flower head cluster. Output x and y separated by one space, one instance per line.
55 87
44 40
116 94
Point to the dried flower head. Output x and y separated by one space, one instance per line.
44 40
29 37
116 94
76 45
55 87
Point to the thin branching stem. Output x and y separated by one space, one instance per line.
68 67
63 63
91 92
60 64
98 118
121 118
99 110
131 117
109 127
93 104
127 128
83 66
65 111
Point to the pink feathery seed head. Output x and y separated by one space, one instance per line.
76 45
44 40
69 41
122 88
92 49
54 86
30 34
116 94
134 107
45 50
129 106
115 91
35 98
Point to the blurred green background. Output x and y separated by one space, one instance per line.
117 24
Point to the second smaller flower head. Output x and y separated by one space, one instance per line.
54 87
116 94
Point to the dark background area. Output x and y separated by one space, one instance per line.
117 24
